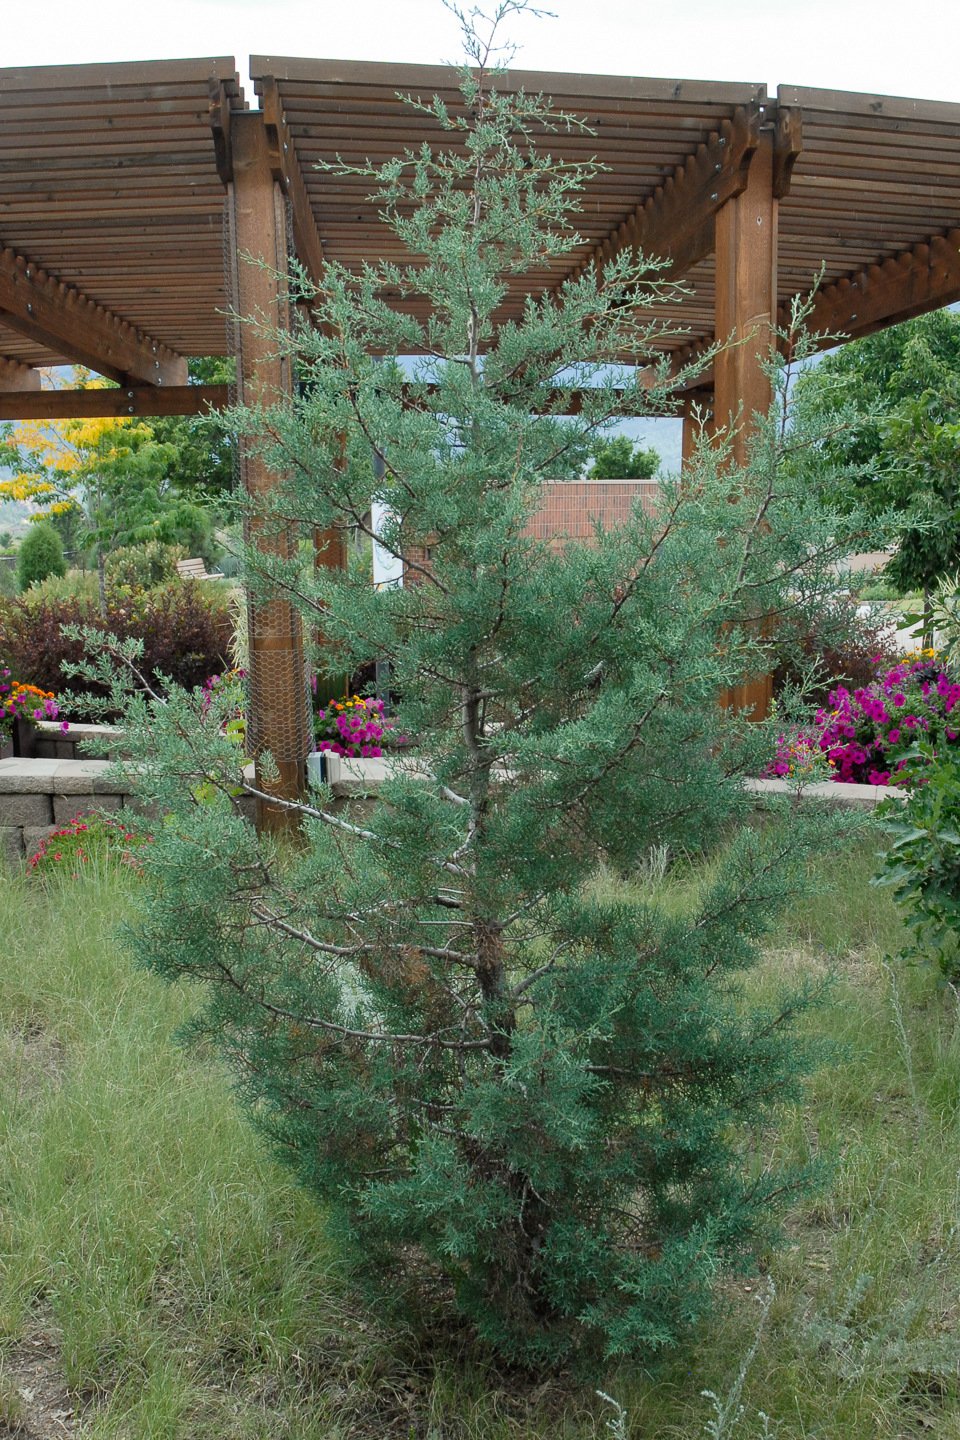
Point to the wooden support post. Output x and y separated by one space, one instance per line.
746 307
279 714
330 553
746 298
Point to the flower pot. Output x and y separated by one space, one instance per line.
24 738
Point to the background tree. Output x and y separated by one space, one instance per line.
40 555
509 1083
617 458
201 449
111 473
893 400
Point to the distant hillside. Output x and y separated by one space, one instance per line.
14 516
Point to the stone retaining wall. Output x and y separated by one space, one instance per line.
37 795
838 792
41 793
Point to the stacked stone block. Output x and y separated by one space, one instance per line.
38 795
52 743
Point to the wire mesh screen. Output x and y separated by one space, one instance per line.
279 717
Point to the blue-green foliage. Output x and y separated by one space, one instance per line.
509 1087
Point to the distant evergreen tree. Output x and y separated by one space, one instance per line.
40 555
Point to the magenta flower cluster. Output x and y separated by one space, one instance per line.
231 683
799 756
866 734
356 727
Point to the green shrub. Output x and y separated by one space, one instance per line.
835 646
878 589
923 861
184 626
57 589
41 554
143 567
503 1087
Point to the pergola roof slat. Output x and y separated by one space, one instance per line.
109 183
138 75
884 108
439 78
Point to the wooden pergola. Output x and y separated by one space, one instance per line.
130 192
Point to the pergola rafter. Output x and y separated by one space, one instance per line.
71 324
678 221
925 277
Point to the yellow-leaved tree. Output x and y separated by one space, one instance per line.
111 472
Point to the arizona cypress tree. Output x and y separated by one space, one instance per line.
497 1072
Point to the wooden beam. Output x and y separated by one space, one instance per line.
220 123
565 87
69 323
279 721
677 222
18 378
884 108
182 400
746 298
36 404
746 307
925 277
286 168
787 145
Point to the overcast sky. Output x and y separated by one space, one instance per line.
883 46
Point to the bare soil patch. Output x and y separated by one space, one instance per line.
35 1403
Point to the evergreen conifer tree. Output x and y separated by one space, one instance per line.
510 1082
40 555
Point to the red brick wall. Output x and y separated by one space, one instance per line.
571 508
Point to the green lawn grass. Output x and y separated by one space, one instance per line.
160 1276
